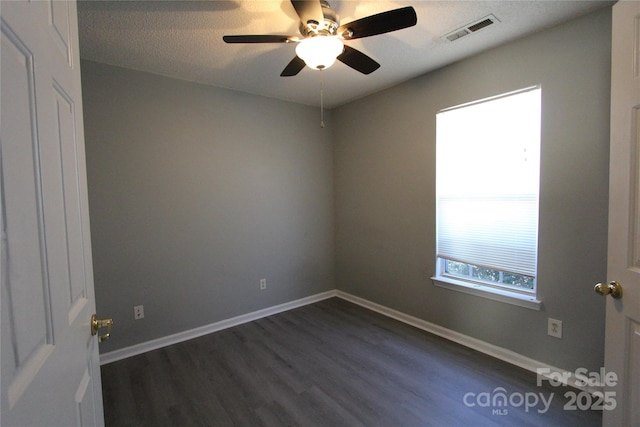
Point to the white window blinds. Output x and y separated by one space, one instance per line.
488 173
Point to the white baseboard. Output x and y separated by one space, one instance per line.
136 349
550 372
465 340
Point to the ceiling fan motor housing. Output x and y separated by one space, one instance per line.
328 27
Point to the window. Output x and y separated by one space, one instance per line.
487 185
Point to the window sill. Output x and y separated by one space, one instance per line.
501 295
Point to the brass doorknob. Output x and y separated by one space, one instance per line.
101 323
613 288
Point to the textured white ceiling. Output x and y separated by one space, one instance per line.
183 39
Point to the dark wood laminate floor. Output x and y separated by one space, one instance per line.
328 364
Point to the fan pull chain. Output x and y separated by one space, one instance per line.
321 100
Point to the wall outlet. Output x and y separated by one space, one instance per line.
263 284
138 312
554 328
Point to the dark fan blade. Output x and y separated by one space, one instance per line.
294 67
308 10
358 60
381 23
259 39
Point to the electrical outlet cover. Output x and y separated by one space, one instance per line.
138 312
554 328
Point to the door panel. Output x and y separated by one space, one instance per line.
634 374
25 285
622 342
50 369
66 143
60 24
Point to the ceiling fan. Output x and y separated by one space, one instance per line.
323 36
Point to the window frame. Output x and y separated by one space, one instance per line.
498 291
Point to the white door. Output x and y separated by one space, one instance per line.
622 342
50 369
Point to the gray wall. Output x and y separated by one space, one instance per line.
384 162
196 193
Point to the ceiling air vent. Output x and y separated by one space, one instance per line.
471 28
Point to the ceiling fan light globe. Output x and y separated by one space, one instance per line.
319 52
